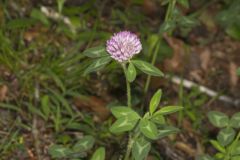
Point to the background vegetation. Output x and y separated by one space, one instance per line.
51 107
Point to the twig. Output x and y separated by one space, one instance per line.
189 84
169 151
50 13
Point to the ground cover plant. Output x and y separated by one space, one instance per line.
127 79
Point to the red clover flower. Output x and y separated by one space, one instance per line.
123 46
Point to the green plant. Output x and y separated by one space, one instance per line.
99 154
192 102
229 18
40 65
78 150
227 143
142 129
60 4
49 63
173 19
238 71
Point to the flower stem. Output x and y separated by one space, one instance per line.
128 87
129 93
152 62
130 140
129 147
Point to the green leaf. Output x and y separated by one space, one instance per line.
233 31
57 80
120 112
131 73
219 156
238 71
97 64
184 3
57 151
235 120
123 124
20 23
148 128
146 115
60 5
10 106
141 148
236 149
226 136
167 26
84 144
99 154
235 158
152 42
168 110
38 15
187 21
167 131
158 118
35 110
45 106
218 119
218 146
155 101
64 139
147 68
204 157
62 99
96 52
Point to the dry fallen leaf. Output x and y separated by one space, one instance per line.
186 124
126 2
30 35
3 92
93 104
185 148
2 18
232 72
150 7
34 32
30 154
176 63
150 157
205 58
196 75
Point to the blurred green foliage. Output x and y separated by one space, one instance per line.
229 18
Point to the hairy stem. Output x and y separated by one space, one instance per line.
152 62
128 86
130 140
129 147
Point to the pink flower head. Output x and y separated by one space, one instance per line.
123 46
